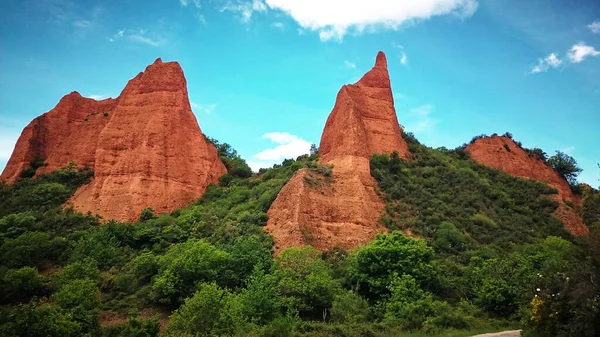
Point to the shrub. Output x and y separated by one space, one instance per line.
374 266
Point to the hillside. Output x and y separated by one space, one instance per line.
374 234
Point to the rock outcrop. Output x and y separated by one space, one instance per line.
342 210
145 147
502 153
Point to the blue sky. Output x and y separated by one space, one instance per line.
263 74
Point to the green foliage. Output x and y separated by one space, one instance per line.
80 299
37 249
19 285
566 166
487 243
375 265
305 281
29 319
349 307
186 264
408 305
147 214
236 166
200 314
489 206
79 270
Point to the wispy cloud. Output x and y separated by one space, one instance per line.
580 52
577 54
245 9
278 25
550 61
287 146
207 109
83 24
138 36
184 3
403 56
595 27
568 149
419 119
349 65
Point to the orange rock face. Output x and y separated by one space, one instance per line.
491 152
343 212
145 147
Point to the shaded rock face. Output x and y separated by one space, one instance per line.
343 212
145 147
491 152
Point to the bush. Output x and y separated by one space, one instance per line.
305 281
20 285
200 314
373 267
349 307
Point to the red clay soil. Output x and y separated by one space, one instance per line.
344 212
491 152
145 147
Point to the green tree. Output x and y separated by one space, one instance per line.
566 166
186 264
374 266
305 280
408 305
200 314
22 284
81 299
32 319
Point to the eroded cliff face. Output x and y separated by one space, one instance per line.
342 210
145 147
492 152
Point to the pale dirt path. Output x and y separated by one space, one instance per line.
514 333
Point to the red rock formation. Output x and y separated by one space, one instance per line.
145 147
345 211
491 152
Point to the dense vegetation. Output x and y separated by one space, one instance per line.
485 243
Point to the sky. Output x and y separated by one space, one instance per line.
263 75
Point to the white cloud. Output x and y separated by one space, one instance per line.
595 27
419 119
403 56
207 109
335 18
184 3
550 61
83 24
278 25
581 51
288 146
139 36
349 65
245 8
404 59
423 110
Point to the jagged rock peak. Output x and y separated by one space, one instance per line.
145 147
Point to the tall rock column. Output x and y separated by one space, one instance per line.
344 210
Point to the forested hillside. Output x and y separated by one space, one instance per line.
469 249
